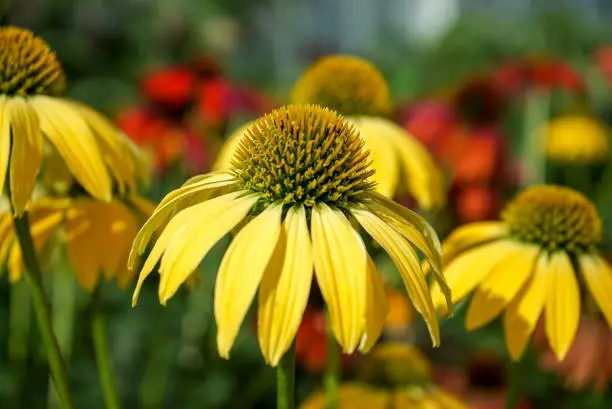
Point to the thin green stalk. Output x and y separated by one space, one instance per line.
19 334
41 305
332 370
99 334
63 311
536 113
285 380
514 391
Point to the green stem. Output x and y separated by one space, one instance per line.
99 334
536 113
514 386
332 370
41 305
19 334
285 378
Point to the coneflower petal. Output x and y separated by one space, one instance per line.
407 262
562 304
501 286
65 127
5 140
524 311
167 206
469 269
177 224
340 259
598 278
241 272
205 226
471 235
285 287
26 151
376 308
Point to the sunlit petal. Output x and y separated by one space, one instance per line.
598 278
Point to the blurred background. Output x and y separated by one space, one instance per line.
473 80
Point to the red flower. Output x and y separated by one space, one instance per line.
311 346
479 101
169 87
513 77
603 59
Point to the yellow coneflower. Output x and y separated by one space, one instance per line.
299 186
529 263
355 88
34 118
576 139
85 226
393 376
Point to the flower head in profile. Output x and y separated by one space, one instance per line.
576 139
393 376
529 264
35 121
299 188
84 226
355 88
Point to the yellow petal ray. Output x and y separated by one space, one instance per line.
226 155
376 308
465 272
598 278
285 287
115 152
524 311
340 259
167 206
119 231
5 140
562 304
501 286
407 262
205 226
176 225
423 178
65 127
384 161
470 235
7 235
84 237
241 271
26 152
419 232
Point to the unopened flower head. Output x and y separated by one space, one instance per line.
298 189
36 124
527 265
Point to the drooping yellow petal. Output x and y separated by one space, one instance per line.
119 231
524 311
384 161
115 151
598 278
469 235
352 395
420 233
423 178
465 272
241 271
204 227
285 287
226 155
562 304
340 259
181 221
84 239
407 262
501 286
376 308
26 152
65 127
5 140
172 202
